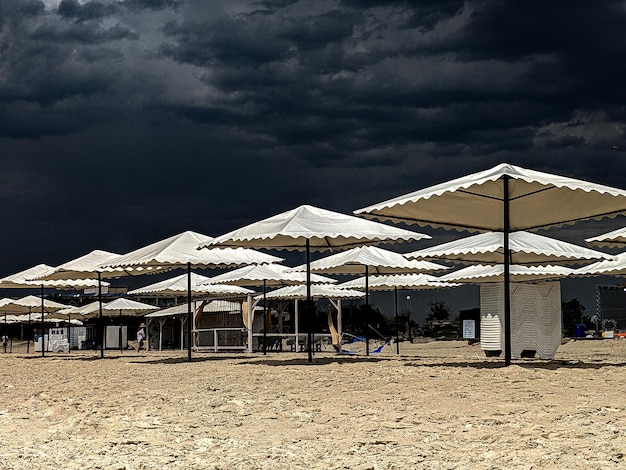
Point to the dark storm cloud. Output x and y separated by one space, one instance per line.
141 118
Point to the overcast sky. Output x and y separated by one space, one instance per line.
124 122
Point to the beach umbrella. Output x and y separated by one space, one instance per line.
181 251
413 281
308 228
200 286
267 275
524 248
613 239
614 267
505 198
366 260
479 273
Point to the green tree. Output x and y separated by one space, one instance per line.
439 311
573 313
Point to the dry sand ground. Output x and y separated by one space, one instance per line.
441 405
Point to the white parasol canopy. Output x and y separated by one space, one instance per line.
24 279
377 260
318 291
121 306
475 202
504 198
28 303
323 229
479 273
181 250
613 239
200 285
398 281
524 247
615 267
268 274
265 275
92 266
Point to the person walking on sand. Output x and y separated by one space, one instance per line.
5 340
141 336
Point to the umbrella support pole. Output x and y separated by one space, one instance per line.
308 309
395 307
43 329
189 316
507 276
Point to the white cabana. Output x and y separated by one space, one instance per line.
307 228
524 248
332 293
505 198
266 275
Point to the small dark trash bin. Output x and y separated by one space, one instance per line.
580 330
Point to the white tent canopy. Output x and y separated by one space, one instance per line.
377 260
182 249
479 273
474 202
400 281
615 267
25 278
324 230
29 304
121 306
318 291
270 274
613 239
200 285
92 266
525 248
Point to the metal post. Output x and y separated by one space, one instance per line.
120 333
189 316
507 275
100 315
395 307
408 308
264 318
367 311
308 309
43 329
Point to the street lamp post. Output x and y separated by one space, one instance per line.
408 307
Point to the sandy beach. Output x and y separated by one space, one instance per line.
440 405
